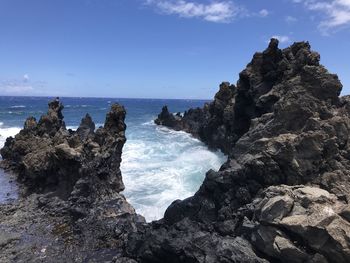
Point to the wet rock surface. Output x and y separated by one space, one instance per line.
285 187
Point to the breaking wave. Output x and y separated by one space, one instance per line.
163 165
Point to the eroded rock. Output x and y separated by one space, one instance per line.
282 195
285 186
71 181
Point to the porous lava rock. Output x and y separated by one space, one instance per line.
282 195
84 163
284 189
70 181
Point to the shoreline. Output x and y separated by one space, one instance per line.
282 195
142 149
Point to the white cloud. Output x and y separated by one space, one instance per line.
215 11
290 19
18 86
336 13
14 88
264 12
25 77
282 39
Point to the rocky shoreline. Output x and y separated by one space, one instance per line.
286 131
70 191
282 195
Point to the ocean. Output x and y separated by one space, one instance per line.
159 165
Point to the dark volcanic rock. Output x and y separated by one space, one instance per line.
283 124
72 184
167 119
86 127
282 196
48 158
213 124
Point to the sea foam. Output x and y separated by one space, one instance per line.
164 165
158 166
18 106
7 132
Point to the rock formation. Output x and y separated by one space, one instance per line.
71 184
283 194
49 158
213 123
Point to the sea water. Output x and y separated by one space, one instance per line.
159 165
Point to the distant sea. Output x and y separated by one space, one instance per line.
158 165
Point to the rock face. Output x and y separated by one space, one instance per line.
213 123
283 194
297 220
71 183
85 163
167 119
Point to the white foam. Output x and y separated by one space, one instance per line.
162 165
149 123
159 166
7 132
72 127
18 106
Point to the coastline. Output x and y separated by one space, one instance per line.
147 152
282 195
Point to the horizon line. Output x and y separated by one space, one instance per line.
96 97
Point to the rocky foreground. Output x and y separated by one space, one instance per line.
282 196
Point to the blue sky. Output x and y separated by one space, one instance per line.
156 48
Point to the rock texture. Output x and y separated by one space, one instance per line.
213 123
85 163
283 194
71 184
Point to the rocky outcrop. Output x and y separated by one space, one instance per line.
213 123
167 119
285 187
282 196
71 183
49 158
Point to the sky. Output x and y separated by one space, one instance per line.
156 48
